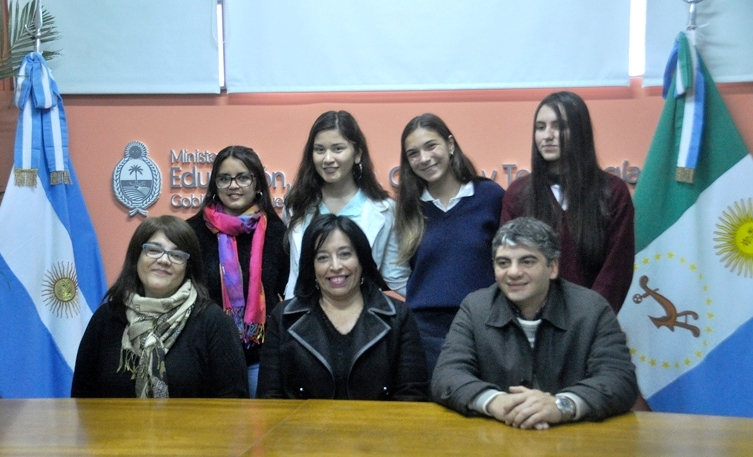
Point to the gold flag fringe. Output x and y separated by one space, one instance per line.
60 177
683 174
25 177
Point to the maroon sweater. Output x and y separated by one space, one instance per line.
614 277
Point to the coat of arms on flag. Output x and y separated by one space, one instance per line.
689 312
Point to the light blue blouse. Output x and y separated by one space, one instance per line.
377 220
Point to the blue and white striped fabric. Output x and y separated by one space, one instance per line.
689 84
51 273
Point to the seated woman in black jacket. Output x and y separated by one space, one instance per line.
341 337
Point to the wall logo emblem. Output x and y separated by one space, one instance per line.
136 181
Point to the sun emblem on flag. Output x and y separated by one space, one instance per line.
735 238
60 290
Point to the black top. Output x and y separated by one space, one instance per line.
275 266
300 357
205 361
342 352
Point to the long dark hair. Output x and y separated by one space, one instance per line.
176 230
584 184
306 191
251 160
313 238
409 217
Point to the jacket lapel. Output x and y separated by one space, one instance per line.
307 331
370 327
499 311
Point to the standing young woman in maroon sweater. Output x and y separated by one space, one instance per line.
591 209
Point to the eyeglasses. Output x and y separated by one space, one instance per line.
242 180
155 251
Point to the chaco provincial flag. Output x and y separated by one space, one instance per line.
689 313
51 274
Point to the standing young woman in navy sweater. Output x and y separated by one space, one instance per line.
446 218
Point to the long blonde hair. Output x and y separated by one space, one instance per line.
409 217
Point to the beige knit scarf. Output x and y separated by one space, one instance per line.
153 326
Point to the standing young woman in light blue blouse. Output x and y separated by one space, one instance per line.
336 176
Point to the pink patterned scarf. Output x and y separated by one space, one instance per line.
250 314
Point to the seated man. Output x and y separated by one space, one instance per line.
533 350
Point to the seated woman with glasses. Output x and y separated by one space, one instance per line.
341 337
156 334
241 239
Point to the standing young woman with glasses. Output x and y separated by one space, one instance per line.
241 238
336 176
157 334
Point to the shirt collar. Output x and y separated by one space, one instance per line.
466 190
352 209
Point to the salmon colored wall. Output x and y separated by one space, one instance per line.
493 128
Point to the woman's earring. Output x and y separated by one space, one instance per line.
316 284
357 175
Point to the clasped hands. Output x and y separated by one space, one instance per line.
525 408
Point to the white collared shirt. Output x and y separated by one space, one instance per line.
466 190
557 191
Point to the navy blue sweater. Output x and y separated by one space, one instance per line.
455 254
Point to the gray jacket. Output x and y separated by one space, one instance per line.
579 348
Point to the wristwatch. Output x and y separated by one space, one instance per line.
566 405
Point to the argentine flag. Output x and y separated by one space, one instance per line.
51 274
689 313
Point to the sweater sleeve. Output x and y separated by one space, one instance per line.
276 258
412 378
395 274
512 207
227 363
616 274
270 374
87 360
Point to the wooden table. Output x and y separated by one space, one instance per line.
340 428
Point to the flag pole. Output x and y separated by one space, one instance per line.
691 13
38 22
